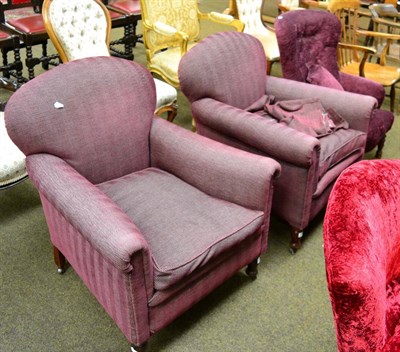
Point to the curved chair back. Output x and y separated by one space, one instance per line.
55 106
249 60
307 37
78 28
362 251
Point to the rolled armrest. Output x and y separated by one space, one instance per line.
361 85
164 29
356 109
276 140
216 169
97 218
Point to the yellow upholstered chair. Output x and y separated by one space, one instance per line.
353 56
172 27
81 28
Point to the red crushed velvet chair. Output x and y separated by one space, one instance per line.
308 42
224 79
125 14
362 253
151 216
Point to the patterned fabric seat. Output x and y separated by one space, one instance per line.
12 160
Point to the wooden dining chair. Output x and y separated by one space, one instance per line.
353 57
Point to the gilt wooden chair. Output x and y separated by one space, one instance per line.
170 29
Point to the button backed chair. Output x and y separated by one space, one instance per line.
30 30
81 28
224 79
354 60
170 29
151 216
249 12
309 44
361 244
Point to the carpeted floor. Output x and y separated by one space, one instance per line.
286 309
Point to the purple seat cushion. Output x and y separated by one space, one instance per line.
338 146
320 76
171 213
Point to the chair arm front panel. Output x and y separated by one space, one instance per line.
277 141
356 109
218 170
90 212
122 294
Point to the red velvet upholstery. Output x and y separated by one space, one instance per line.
224 79
131 6
151 216
308 38
362 253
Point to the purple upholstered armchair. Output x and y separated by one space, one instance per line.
224 78
308 42
362 254
151 216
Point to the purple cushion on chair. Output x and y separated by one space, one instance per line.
320 76
170 213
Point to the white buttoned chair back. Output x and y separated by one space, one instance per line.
249 12
78 28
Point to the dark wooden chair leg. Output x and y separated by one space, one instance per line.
59 259
295 243
252 270
379 150
269 67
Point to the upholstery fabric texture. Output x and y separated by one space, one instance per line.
152 217
184 209
227 105
361 244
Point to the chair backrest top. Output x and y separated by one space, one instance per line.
383 10
226 66
78 28
94 113
182 15
307 37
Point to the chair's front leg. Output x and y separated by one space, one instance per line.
295 242
59 260
252 269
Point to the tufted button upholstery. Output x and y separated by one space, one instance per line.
66 17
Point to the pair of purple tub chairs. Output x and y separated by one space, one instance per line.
153 217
